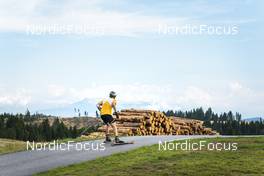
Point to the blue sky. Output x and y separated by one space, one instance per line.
167 71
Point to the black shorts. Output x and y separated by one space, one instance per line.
107 119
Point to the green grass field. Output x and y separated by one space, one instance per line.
247 160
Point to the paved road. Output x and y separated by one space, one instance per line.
30 162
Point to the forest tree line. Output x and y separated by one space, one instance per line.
21 127
227 123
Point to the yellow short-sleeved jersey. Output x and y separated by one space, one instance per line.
107 106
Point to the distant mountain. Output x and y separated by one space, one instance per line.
253 119
73 109
88 106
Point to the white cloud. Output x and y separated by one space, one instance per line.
16 15
56 90
150 95
236 86
196 96
237 97
19 97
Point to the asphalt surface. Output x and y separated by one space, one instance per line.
30 162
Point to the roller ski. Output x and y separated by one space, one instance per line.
117 141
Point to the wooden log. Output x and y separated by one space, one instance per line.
138 111
103 128
123 131
149 129
130 119
147 122
131 124
186 127
132 114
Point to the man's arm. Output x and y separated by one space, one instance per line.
114 108
99 105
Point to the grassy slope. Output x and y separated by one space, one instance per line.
249 159
9 146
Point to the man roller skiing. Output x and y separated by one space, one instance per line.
105 107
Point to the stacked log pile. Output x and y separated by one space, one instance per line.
148 122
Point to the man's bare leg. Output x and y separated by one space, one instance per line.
107 130
115 129
116 133
107 135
